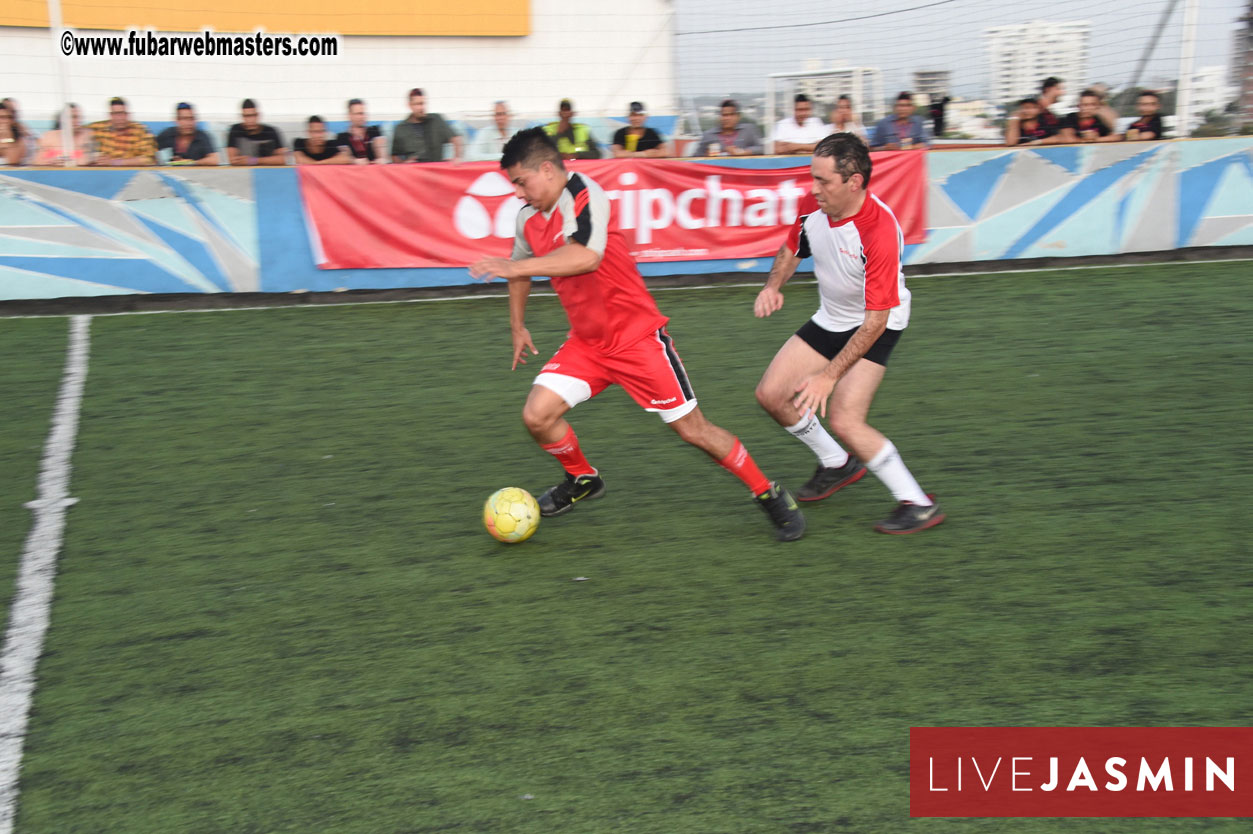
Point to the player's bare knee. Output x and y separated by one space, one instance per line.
843 424
770 397
691 428
536 419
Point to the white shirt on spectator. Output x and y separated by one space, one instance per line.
787 130
488 144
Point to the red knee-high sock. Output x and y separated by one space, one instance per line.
741 464
567 451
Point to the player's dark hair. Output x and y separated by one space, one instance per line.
846 97
248 104
1049 83
1090 93
316 120
1154 95
116 100
850 154
1029 100
905 95
416 91
800 98
531 148
730 102
355 101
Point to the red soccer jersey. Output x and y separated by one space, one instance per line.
609 307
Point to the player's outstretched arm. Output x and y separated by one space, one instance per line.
770 299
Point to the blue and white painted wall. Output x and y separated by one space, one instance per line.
180 230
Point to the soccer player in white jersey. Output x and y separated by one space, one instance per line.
835 362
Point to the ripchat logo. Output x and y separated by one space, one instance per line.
488 208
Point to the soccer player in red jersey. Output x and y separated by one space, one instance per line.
835 362
617 334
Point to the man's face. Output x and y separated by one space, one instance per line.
833 194
186 122
538 187
1053 93
501 116
118 115
251 118
843 112
904 108
356 115
802 110
1030 110
1088 105
317 132
417 106
636 119
1147 105
565 114
729 118
76 118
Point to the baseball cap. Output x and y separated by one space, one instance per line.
565 105
638 107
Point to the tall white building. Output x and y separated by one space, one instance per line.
1210 91
1022 55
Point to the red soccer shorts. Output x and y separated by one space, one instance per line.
650 371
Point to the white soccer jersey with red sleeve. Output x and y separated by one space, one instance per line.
857 262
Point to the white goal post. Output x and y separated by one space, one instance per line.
864 85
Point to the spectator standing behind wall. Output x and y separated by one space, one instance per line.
489 142
12 138
365 142
574 139
422 136
1051 90
252 143
186 143
1026 127
903 130
802 131
732 137
119 141
51 151
1085 125
1149 124
844 120
320 148
638 140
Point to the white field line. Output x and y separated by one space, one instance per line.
29 616
543 290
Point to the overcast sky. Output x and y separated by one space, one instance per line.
899 37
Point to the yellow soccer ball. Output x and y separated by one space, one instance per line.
511 515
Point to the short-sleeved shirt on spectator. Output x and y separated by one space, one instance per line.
330 148
132 141
422 141
197 148
629 141
1152 124
263 143
360 148
1079 124
1033 130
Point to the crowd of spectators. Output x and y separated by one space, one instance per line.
425 136
1036 123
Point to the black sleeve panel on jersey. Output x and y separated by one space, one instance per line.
583 213
802 244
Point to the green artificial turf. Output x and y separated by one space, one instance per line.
278 611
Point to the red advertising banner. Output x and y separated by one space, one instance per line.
1081 771
442 215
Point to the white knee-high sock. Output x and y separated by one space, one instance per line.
811 432
889 468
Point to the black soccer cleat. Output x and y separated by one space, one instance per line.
828 479
785 515
562 497
908 517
